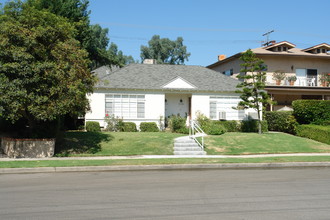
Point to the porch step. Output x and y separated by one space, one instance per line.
187 146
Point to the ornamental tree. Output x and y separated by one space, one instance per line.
252 87
44 72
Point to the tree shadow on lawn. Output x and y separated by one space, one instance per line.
81 143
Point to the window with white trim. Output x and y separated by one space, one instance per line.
125 105
225 104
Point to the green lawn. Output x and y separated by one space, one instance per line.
161 143
119 162
116 143
268 143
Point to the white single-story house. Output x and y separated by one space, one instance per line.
145 92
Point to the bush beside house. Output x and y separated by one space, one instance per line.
311 111
282 121
93 126
315 132
148 127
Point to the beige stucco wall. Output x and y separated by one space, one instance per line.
232 64
288 64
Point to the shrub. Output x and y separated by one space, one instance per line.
202 120
315 132
310 111
214 128
177 124
128 127
252 126
113 123
208 126
281 121
231 126
148 127
92 126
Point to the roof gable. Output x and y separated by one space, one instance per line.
280 45
314 49
179 83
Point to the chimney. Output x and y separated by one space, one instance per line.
221 57
149 61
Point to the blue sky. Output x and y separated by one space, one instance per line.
212 27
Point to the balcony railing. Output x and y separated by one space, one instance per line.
301 81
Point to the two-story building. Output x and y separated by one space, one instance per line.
309 65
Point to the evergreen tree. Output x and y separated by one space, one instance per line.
253 76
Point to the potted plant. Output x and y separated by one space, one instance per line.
291 79
278 76
325 79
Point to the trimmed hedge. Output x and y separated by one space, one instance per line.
252 126
148 127
281 121
311 111
231 126
128 127
214 128
93 126
315 132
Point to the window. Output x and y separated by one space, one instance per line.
285 48
125 106
279 49
318 51
221 107
228 72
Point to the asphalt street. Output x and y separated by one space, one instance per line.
300 193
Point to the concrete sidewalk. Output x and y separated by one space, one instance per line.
164 156
164 167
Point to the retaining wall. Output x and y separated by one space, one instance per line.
28 148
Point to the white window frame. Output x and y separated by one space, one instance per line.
127 106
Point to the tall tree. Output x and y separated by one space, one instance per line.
93 38
165 50
44 72
252 87
118 57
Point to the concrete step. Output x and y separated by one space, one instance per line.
186 144
189 153
187 148
184 141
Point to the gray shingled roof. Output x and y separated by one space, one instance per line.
155 76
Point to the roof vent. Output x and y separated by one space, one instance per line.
149 61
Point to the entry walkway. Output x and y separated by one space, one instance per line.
165 156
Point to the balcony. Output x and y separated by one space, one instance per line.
301 82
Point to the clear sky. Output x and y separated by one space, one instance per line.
212 27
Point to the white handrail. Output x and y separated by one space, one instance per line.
194 128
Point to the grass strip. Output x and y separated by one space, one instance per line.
119 162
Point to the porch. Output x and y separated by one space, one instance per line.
285 95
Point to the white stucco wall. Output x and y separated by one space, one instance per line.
97 105
154 106
225 103
200 103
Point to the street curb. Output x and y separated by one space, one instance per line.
164 167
